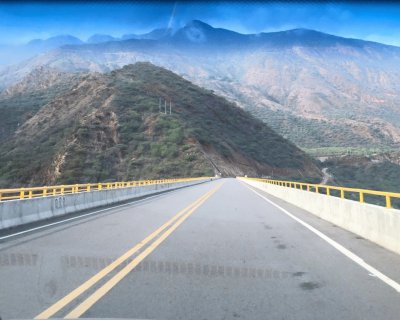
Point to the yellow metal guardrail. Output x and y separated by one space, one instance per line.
28 193
327 190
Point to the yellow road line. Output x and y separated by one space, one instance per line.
101 274
98 294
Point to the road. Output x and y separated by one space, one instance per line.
327 177
212 251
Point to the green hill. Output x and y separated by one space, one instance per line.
108 127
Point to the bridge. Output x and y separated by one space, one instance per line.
199 248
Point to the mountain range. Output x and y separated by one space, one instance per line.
316 89
137 122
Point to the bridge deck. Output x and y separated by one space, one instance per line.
231 255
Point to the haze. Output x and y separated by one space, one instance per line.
20 23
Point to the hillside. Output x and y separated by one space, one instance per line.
21 101
108 127
316 89
376 171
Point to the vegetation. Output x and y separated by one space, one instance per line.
353 151
18 108
320 134
376 176
109 128
356 172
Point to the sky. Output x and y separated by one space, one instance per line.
24 21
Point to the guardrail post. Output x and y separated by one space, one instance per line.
388 201
99 186
342 193
62 189
76 188
88 187
361 197
0 196
30 194
308 187
328 191
22 193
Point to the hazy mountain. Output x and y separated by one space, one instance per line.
98 38
318 90
109 126
53 42
129 36
11 54
156 34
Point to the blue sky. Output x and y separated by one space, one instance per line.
22 22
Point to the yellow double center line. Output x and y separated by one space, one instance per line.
98 294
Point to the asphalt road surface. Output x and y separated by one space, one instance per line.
212 251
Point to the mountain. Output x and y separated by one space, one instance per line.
129 36
157 34
317 90
198 32
12 54
98 38
53 42
374 172
21 101
109 127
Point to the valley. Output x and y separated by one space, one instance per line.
330 96
315 89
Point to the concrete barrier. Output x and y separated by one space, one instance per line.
377 224
18 212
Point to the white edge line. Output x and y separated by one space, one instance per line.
85 215
390 282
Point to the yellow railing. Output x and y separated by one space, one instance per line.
327 190
28 193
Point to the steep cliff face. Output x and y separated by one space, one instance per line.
109 127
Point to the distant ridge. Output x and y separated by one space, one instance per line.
316 89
